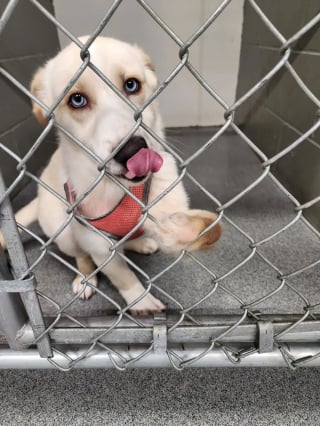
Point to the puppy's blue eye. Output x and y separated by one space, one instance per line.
132 85
78 101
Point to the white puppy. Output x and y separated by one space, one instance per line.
93 113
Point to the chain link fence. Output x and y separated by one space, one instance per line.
259 329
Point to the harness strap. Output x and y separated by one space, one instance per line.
122 218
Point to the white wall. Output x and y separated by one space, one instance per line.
215 55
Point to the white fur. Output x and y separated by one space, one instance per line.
101 128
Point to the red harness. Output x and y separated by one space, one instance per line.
122 218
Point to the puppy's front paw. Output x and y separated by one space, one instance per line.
77 287
148 304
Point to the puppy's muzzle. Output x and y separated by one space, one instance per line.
133 145
137 159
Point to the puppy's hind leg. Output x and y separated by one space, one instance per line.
85 266
25 216
29 213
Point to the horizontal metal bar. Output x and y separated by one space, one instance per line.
204 330
13 316
99 358
18 286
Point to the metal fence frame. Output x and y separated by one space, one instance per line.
179 340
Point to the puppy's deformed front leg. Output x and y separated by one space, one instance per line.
143 245
129 286
181 230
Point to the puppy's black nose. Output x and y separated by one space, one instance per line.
133 145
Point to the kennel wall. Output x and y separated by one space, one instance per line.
253 301
287 107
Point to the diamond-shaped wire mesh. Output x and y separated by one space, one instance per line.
248 280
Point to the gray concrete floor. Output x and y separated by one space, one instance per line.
233 397
197 397
225 170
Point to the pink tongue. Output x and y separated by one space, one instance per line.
143 162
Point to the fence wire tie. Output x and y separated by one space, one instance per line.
265 336
160 333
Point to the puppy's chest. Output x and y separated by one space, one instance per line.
94 207
118 217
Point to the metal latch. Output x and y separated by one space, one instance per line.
160 332
265 337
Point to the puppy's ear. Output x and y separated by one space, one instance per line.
149 68
38 90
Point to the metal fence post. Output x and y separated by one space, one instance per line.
12 316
